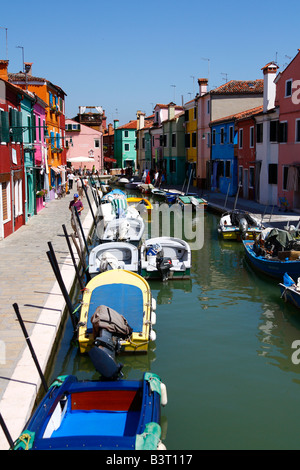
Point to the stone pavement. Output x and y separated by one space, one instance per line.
27 278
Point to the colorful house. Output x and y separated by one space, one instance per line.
143 141
54 97
125 144
108 148
190 117
12 181
174 146
84 147
288 101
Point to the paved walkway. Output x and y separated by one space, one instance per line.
27 278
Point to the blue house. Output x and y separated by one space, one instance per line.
224 175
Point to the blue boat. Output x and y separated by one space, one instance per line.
103 415
290 292
269 265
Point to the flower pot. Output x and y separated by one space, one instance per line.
39 204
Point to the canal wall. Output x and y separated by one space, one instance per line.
28 280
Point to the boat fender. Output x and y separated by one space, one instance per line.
163 394
153 318
152 335
153 303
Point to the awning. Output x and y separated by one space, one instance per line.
81 159
56 170
109 160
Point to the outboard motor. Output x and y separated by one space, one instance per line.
243 227
103 355
164 265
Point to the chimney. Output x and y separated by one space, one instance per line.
140 119
3 69
28 68
202 82
171 111
269 72
116 123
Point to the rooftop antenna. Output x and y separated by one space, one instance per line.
208 60
174 86
225 77
1 27
192 76
21 47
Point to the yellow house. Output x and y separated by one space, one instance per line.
190 109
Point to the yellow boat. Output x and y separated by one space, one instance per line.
140 200
128 294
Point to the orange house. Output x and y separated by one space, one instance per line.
54 96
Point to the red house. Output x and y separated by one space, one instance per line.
12 187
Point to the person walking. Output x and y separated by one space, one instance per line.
79 188
70 180
79 206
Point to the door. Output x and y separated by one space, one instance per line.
245 184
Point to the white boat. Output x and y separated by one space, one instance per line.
113 255
133 183
238 225
124 229
165 258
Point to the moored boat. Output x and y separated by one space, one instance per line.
103 415
138 202
165 258
239 225
123 229
128 294
113 255
290 291
193 201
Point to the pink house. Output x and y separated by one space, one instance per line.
288 101
84 147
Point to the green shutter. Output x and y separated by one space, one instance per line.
4 127
19 127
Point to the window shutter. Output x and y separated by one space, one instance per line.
19 127
52 139
4 201
4 127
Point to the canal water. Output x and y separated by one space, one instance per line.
224 351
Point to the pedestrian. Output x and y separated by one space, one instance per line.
79 206
80 188
70 180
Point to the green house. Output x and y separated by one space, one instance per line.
28 129
125 144
173 141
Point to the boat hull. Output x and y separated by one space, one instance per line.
272 268
128 294
235 234
290 295
173 275
89 415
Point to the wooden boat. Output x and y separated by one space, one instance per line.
133 183
165 258
274 266
113 255
158 192
124 229
145 188
97 415
128 294
238 225
290 291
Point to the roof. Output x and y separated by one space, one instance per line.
20 77
166 106
129 125
234 87
241 115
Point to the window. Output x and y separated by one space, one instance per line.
288 88
18 198
173 165
259 133
274 131
194 139
173 140
251 137
96 143
251 177
297 130
231 134
126 133
187 141
240 175
208 107
222 135
165 140
272 173
40 130
126 147
214 137
227 168
241 138
4 127
285 177
195 112
282 132
186 115
5 194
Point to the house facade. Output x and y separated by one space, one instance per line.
143 141
84 147
12 178
191 141
174 146
125 145
288 102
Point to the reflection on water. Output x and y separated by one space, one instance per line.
223 348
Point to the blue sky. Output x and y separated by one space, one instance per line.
128 56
